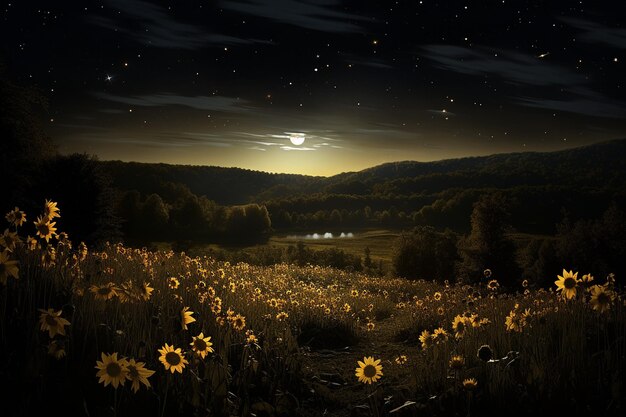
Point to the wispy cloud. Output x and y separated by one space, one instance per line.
296 148
158 28
214 103
593 32
320 15
527 70
513 67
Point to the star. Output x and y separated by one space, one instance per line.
108 78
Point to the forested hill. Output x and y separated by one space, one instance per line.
600 165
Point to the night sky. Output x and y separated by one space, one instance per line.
232 83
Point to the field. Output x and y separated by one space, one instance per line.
130 332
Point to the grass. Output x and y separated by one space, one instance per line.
286 339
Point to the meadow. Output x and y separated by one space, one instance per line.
129 332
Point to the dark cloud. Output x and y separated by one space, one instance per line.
320 15
214 103
159 29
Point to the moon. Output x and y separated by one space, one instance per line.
297 138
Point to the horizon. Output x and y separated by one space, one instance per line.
318 88
367 167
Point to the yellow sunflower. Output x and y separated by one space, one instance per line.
437 296
601 298
370 326
459 325
440 335
567 284
111 370
202 345
45 228
426 339
457 362
145 291
172 359
251 339
470 384
8 268
369 370
138 374
185 317
52 322
173 283
238 322
16 217
282 316
104 292
50 210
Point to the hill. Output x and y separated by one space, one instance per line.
598 165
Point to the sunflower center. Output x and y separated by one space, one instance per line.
603 298
200 344
114 369
569 283
369 371
132 371
172 358
104 290
460 327
50 320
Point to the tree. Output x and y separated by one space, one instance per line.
425 253
488 245
23 144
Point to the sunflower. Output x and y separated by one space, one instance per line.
216 305
587 278
56 349
470 384
111 370
238 322
104 292
487 273
145 291
426 339
282 316
457 362
346 308
49 257
16 217
370 326
138 374
173 283
9 240
8 268
251 339
440 335
50 210
172 359
52 322
525 283
369 370
493 285
354 293
601 298
459 325
45 228
185 318
515 322
202 345
567 284
437 296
